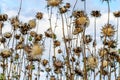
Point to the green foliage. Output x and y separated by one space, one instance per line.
2 76
119 51
30 38
33 66
54 36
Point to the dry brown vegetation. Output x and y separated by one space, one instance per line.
24 47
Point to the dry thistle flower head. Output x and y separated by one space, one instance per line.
92 62
32 23
77 30
113 53
52 78
6 53
1 24
7 35
79 72
21 39
3 17
33 33
73 59
19 46
2 40
80 21
116 14
67 5
63 10
67 38
15 22
103 52
44 62
17 36
24 28
103 72
59 51
53 3
108 30
96 13
77 50
56 43
83 20
16 56
57 71
39 15
27 49
87 39
38 37
58 64
50 34
36 50
112 44
78 14
48 69
104 63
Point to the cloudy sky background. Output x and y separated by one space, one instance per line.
30 7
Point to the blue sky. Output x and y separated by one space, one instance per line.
29 7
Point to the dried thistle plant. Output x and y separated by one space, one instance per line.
62 52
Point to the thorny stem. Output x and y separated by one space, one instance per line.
85 6
119 69
95 42
65 44
115 70
95 35
73 10
38 70
84 49
49 50
109 70
20 66
20 8
4 65
110 73
50 26
84 56
102 59
50 16
69 35
0 28
31 63
108 10
11 56
117 29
